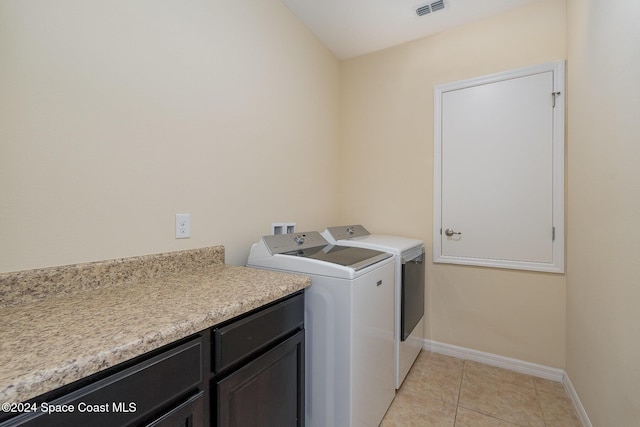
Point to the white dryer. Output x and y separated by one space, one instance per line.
409 288
349 350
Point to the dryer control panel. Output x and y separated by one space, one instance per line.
343 232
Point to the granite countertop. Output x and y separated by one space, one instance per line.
62 324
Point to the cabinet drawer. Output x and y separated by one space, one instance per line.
126 396
255 332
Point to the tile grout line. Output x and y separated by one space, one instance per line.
455 418
535 388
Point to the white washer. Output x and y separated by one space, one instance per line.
349 351
409 293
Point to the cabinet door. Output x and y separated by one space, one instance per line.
267 392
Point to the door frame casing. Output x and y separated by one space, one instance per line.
558 152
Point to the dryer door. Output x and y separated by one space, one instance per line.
412 294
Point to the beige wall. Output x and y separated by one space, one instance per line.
387 176
116 115
603 276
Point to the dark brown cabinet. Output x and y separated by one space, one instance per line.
259 362
267 391
248 371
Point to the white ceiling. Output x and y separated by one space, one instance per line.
350 28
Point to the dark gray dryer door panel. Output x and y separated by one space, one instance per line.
412 294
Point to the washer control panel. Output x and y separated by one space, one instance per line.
282 243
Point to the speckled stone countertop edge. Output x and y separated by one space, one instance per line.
27 286
105 326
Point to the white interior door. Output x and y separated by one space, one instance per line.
496 149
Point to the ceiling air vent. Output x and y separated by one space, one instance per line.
428 8
423 10
437 5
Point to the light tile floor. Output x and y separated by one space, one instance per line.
446 391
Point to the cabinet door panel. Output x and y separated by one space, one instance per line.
267 392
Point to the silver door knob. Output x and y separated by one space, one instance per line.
449 232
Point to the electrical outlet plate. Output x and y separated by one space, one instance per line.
183 226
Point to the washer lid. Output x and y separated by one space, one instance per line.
311 244
356 258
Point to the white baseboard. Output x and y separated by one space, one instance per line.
516 365
577 404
